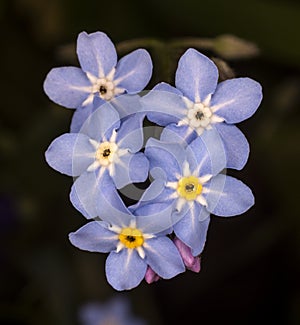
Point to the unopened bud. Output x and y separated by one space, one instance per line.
151 276
191 262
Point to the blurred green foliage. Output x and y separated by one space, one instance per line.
250 266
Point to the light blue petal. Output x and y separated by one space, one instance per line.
93 237
163 257
182 134
130 134
154 218
67 86
207 153
191 231
167 156
163 86
96 196
132 168
163 107
239 98
153 191
134 70
138 167
80 115
229 197
196 76
100 123
125 270
84 194
126 104
81 205
70 154
235 144
96 53
158 194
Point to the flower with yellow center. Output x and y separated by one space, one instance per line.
131 237
189 187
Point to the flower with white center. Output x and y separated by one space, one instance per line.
104 146
199 117
199 103
103 86
133 241
190 179
100 78
107 154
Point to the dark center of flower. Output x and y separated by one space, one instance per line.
106 153
130 238
103 90
199 115
190 187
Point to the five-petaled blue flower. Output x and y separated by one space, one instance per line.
104 145
101 77
199 103
191 180
133 241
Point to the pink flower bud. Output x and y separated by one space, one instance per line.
191 262
151 276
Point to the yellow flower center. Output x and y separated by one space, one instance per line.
131 237
189 187
105 152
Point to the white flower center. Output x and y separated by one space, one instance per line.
106 87
199 115
105 153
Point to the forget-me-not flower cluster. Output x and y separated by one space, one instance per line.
163 234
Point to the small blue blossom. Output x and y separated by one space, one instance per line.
191 180
133 242
114 312
104 146
100 78
199 103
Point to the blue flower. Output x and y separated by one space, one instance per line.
133 241
115 311
100 78
105 146
199 103
190 180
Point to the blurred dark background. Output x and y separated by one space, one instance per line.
250 266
